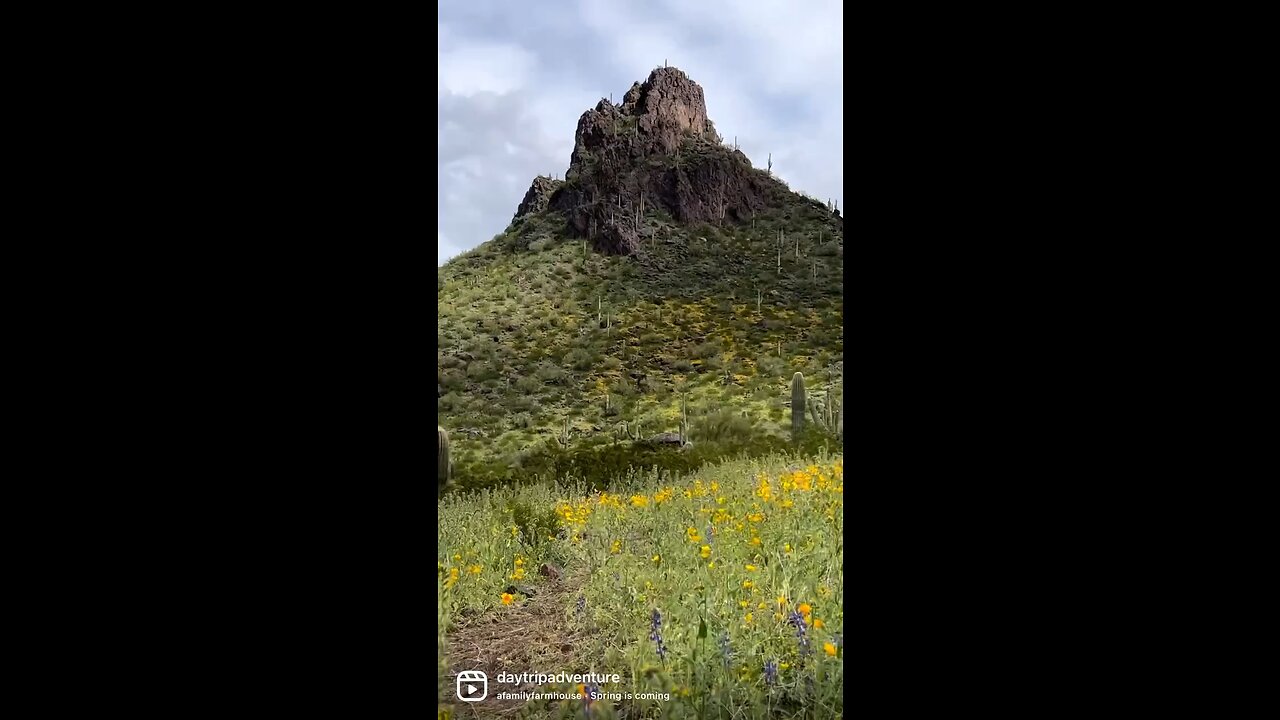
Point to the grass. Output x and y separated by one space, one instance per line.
534 331
722 595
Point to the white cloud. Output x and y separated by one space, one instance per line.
514 79
468 67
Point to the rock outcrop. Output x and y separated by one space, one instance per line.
657 150
538 196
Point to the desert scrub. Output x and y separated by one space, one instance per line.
523 315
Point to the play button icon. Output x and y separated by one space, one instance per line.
473 686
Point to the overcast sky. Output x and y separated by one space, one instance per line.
515 77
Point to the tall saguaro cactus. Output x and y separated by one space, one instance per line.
684 423
797 406
443 468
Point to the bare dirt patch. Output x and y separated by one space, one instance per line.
532 635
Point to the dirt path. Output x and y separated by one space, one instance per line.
532 636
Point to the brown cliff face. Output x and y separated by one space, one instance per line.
658 150
538 196
669 106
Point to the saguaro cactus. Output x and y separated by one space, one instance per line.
828 415
444 469
797 406
684 422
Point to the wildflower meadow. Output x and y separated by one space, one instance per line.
719 595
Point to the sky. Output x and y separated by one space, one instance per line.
513 79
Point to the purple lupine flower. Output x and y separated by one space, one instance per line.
725 649
802 636
581 605
771 672
587 690
656 634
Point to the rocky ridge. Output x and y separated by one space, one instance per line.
656 151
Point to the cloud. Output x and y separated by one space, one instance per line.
514 78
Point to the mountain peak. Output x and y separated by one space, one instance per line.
659 113
656 151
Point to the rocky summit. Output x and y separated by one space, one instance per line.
657 150
665 286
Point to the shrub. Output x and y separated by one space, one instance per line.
453 380
481 371
579 359
534 524
549 373
721 426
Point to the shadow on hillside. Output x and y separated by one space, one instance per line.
623 464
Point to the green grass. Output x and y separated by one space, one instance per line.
533 331
724 557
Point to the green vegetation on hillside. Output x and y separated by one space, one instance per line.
545 343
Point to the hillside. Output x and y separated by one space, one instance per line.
663 269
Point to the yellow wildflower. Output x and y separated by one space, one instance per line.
829 649
751 568
764 491
706 551
507 598
817 623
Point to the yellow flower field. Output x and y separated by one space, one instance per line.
720 595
